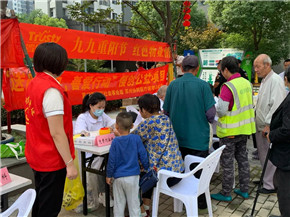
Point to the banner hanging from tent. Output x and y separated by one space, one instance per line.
78 84
89 45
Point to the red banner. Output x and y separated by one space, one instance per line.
11 51
88 45
78 84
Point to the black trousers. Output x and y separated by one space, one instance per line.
49 192
281 182
185 151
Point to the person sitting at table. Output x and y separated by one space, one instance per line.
93 118
160 141
49 148
124 167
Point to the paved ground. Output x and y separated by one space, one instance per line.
266 205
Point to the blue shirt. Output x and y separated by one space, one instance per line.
187 100
124 154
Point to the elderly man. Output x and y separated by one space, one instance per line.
190 105
178 60
161 93
271 94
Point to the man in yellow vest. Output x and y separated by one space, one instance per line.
236 121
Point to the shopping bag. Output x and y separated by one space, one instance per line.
73 190
12 149
148 181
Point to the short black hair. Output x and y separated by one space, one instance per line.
287 73
92 99
231 63
150 103
51 57
124 120
287 60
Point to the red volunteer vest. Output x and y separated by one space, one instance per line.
40 150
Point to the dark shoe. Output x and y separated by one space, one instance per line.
266 191
257 182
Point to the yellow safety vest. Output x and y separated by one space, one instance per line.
241 120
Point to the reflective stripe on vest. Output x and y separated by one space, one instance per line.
241 120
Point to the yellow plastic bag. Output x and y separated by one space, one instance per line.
73 190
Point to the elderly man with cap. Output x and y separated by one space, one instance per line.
190 105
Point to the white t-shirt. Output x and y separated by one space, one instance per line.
85 122
52 103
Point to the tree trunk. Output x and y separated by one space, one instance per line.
168 37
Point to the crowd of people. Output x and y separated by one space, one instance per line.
181 126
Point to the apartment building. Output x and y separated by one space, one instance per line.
57 8
21 6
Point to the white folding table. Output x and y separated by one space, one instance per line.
97 152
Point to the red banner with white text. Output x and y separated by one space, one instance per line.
89 45
78 84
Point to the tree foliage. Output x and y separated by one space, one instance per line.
263 27
39 18
92 65
202 38
155 20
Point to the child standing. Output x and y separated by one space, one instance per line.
123 166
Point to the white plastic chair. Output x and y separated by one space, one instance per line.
190 187
211 150
23 204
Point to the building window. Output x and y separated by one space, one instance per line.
51 12
64 12
105 2
115 16
115 2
